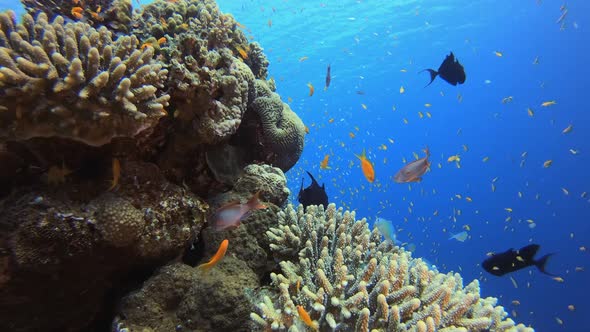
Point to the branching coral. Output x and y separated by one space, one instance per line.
347 278
73 81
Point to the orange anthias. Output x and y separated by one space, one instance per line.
216 258
304 315
367 167
324 163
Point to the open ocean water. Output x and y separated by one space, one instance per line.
516 56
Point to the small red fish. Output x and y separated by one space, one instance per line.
413 171
230 215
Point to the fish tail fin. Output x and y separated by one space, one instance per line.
254 202
541 262
205 267
362 155
433 74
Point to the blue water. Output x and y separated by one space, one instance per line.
368 43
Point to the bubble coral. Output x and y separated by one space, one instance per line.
72 81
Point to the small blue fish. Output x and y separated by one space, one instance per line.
461 237
387 229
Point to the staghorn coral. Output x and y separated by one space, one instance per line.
114 14
73 81
347 278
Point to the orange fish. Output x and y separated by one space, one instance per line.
116 173
324 163
230 215
367 167
161 40
242 52
216 258
77 12
413 171
144 45
305 318
311 89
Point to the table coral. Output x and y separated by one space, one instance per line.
73 81
347 278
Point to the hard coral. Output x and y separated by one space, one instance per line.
114 14
346 278
55 247
280 133
209 85
73 81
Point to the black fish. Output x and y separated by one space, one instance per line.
312 195
450 70
328 77
514 260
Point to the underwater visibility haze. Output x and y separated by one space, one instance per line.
492 152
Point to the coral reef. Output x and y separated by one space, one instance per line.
56 243
73 81
209 86
181 296
281 137
346 278
114 14
248 241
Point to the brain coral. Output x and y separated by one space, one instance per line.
282 133
347 278
73 81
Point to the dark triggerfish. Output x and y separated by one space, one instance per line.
514 260
450 70
313 195
413 171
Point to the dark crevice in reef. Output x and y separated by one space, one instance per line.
193 253
130 283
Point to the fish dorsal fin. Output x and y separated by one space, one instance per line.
230 203
313 181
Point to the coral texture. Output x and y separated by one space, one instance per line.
282 132
73 81
59 245
347 278
114 14
181 298
210 86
